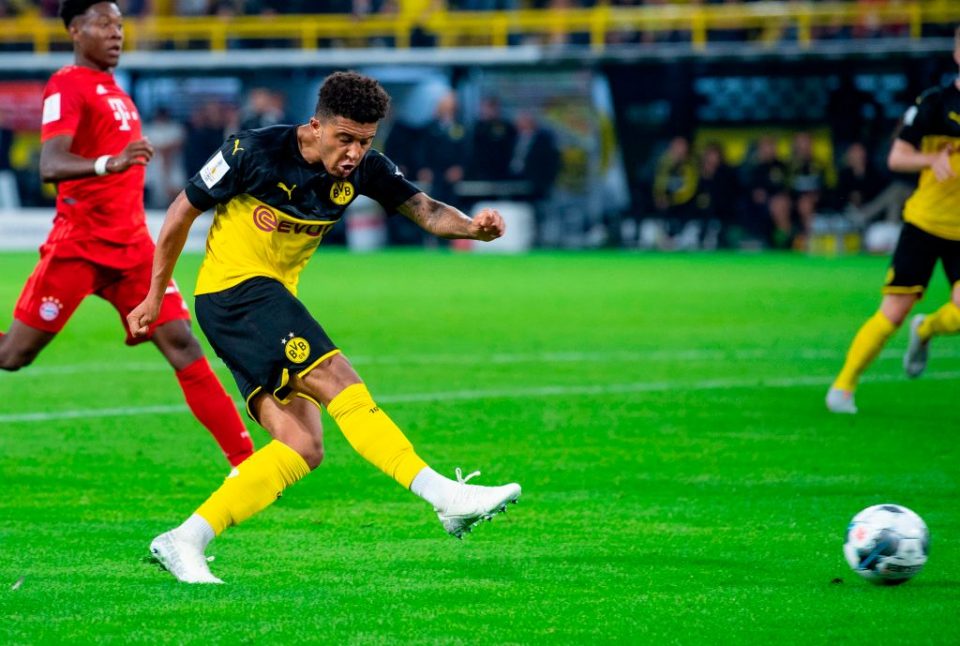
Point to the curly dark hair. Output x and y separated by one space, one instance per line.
70 9
353 96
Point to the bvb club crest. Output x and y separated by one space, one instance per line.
341 193
297 349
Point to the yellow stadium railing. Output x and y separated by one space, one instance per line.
452 28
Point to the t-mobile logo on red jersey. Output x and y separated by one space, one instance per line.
121 114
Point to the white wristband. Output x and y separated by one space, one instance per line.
100 166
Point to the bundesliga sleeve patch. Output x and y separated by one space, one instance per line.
51 109
214 170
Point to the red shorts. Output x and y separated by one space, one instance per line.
58 285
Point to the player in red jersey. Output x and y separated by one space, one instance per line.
93 149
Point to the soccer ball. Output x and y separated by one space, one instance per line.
887 544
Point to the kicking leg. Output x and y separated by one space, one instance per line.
924 327
370 431
205 395
21 344
296 450
866 345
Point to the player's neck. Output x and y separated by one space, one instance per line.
82 61
305 144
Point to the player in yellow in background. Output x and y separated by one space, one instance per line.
928 143
277 191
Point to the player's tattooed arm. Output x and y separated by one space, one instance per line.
57 163
444 221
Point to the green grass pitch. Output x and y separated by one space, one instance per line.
664 414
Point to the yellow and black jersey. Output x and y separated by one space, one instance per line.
930 125
273 207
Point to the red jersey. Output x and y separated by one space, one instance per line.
102 216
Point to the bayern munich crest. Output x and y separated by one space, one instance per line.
50 307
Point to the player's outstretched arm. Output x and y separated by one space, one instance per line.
57 163
447 222
173 235
905 158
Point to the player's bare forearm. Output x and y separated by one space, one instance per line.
905 158
445 221
173 235
57 163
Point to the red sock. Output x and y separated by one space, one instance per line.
212 406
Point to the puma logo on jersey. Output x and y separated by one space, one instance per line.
236 147
288 191
953 116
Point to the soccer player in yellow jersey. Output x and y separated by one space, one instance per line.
277 191
928 143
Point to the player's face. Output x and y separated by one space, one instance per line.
98 35
342 143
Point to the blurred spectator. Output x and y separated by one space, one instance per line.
535 158
536 161
858 181
675 185
445 151
714 204
205 133
264 108
404 146
767 215
865 194
494 138
847 113
808 181
165 175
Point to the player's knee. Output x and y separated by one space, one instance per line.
312 454
13 359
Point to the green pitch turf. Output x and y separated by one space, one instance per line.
664 414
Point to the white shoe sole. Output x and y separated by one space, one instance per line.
472 521
160 548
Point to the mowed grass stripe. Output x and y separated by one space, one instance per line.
668 356
506 393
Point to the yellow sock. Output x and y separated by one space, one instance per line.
261 479
945 320
865 347
373 434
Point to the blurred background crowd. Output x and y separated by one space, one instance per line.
632 135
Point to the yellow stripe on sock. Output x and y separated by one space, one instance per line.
260 480
866 345
373 434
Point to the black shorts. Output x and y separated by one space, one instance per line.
264 335
915 257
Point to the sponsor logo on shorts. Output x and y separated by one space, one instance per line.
296 348
50 307
342 192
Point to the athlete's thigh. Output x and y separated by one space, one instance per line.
54 290
913 262
297 424
265 336
128 289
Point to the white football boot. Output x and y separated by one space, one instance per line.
915 358
183 559
841 401
471 504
